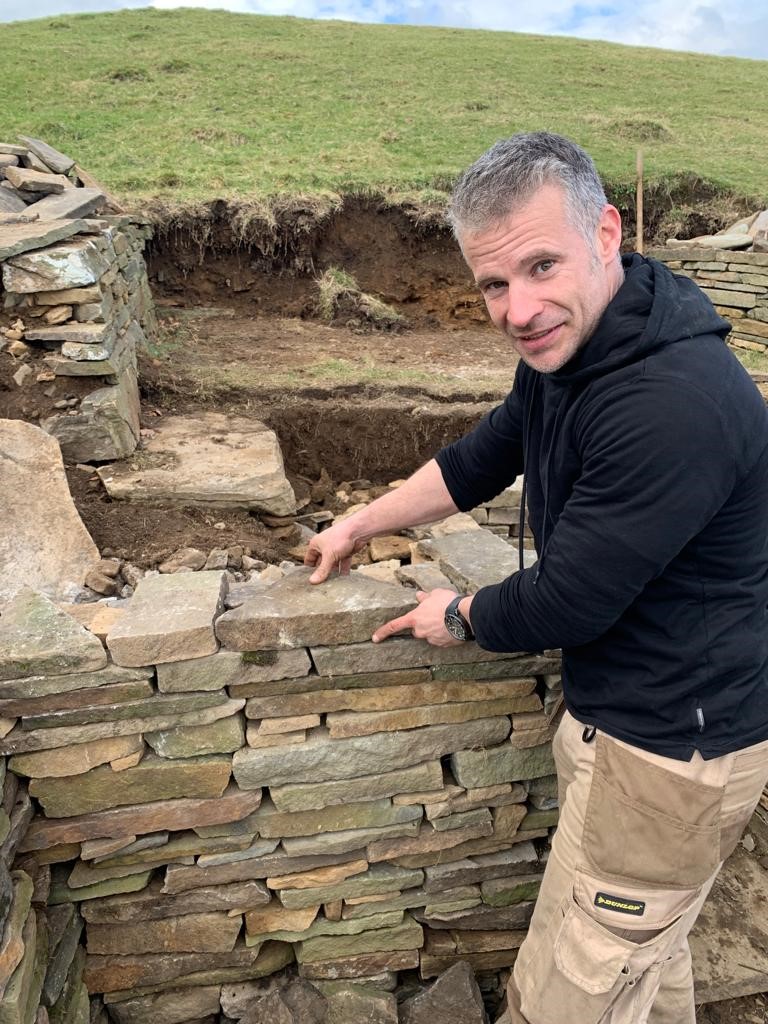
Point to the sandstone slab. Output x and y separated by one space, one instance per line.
361 966
325 926
154 779
481 918
309 684
55 560
293 613
172 1007
519 860
58 162
190 933
63 265
181 878
72 203
407 935
380 878
53 684
42 182
271 823
110 694
152 904
348 723
360 1004
107 423
232 668
19 238
399 652
276 918
208 459
487 560
224 736
348 840
150 817
313 796
429 840
169 616
321 759
472 768
36 637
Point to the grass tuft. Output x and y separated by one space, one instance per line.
340 297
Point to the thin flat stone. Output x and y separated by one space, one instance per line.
154 779
407 935
313 796
271 823
348 723
61 892
62 954
321 759
190 933
322 926
347 840
520 859
175 1007
228 668
69 761
58 162
472 768
36 638
11 935
481 918
73 202
179 878
65 265
275 918
361 966
257 848
30 180
169 616
399 652
157 705
112 693
506 892
151 903
151 817
293 613
487 560
429 840
380 878
224 736
47 685
11 205
82 334
26 982
19 238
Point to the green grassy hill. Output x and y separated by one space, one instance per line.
193 104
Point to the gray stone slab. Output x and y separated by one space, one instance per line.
321 759
151 903
169 616
293 613
475 768
19 238
207 459
11 203
312 796
377 880
225 736
486 560
81 334
30 179
58 162
176 1007
43 686
226 668
74 202
398 652
68 265
36 637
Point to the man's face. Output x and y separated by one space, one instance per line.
544 287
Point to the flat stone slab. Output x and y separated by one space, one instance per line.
190 933
18 238
208 459
407 935
37 181
378 879
50 685
399 652
232 668
294 613
54 560
76 760
58 162
37 637
169 617
151 904
224 736
313 796
66 265
486 560
185 1004
474 768
81 334
74 202
322 759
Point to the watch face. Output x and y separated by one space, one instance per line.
455 626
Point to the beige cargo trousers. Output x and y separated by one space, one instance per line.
640 841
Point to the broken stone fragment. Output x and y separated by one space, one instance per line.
66 265
174 1007
184 560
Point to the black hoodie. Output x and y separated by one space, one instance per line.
647 481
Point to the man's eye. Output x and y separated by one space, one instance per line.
494 286
544 265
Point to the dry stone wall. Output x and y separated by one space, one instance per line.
226 785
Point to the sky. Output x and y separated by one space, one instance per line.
737 28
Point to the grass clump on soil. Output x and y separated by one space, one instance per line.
341 298
257 106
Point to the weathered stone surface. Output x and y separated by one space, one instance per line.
519 860
112 693
321 759
380 878
61 892
224 736
487 560
69 296
508 668
106 425
81 334
61 955
56 560
50 685
58 162
399 652
472 768
36 637
190 933
116 972
505 892
41 182
313 683
348 723
276 918
165 715
292 613
154 779
360 1004
66 265
11 204
517 692
151 904
283 726
481 918
169 616
150 817
179 878
407 935
428 840
363 966
11 934
254 737
207 459
227 668
173 1007
22 993
423 576
431 966
73 202
271 823
348 840
324 926
462 819
158 704
19 238
313 796
466 800
453 999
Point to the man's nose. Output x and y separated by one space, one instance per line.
523 306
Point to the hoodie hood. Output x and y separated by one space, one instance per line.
653 308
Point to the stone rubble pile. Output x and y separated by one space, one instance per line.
223 794
748 234
736 282
76 298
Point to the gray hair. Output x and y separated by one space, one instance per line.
512 170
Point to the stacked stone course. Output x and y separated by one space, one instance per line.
221 792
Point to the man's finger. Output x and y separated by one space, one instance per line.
393 626
324 567
421 595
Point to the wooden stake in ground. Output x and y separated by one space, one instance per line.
639 202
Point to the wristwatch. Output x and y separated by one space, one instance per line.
456 624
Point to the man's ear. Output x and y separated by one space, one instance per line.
608 234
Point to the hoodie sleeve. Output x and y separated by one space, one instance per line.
657 464
483 462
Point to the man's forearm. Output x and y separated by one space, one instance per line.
423 498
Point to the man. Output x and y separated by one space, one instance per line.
644 446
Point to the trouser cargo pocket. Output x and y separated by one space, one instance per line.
647 825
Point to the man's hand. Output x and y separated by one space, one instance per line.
426 621
330 549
